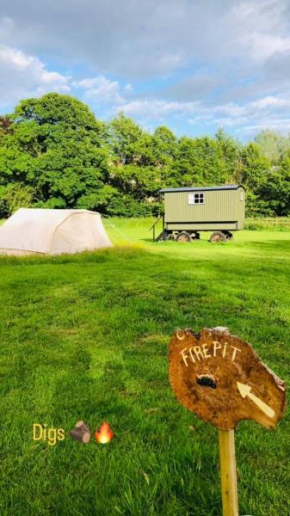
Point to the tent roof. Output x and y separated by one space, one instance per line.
49 217
32 229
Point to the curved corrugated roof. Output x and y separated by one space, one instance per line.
201 188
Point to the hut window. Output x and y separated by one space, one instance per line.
196 198
241 195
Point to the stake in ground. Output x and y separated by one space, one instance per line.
86 338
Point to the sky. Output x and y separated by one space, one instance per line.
193 65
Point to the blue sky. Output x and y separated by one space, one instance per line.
192 65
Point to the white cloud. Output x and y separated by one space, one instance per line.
271 102
267 112
153 109
231 109
248 118
261 28
149 38
100 89
224 63
276 124
128 87
55 78
24 75
263 46
16 58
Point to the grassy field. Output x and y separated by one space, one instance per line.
86 337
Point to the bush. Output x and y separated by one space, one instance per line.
13 197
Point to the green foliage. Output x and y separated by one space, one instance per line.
124 135
199 161
276 190
14 196
255 167
55 148
273 145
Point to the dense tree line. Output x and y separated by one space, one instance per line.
54 153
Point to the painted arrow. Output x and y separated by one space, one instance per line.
245 391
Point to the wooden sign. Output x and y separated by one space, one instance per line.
220 378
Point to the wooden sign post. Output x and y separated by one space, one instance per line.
220 378
228 473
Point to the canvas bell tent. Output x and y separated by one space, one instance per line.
44 231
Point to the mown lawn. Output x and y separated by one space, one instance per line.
86 337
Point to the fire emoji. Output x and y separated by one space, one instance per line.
105 435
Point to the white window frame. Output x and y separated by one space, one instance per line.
192 199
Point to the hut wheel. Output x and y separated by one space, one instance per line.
218 236
183 237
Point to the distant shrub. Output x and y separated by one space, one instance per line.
272 224
13 197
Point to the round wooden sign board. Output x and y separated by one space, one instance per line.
220 378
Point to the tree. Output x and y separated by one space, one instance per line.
54 153
165 146
275 191
123 135
137 164
273 145
14 196
198 162
255 167
184 171
5 126
56 148
231 151
254 175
